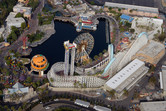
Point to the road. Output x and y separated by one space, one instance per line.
60 103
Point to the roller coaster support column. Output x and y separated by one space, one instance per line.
66 68
72 61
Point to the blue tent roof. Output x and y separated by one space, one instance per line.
18 87
126 17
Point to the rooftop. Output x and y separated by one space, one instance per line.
11 16
126 17
82 102
101 108
124 74
39 60
153 106
152 49
164 78
16 21
21 6
126 6
18 87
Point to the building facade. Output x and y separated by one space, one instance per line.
127 77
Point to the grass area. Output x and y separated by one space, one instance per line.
44 20
35 37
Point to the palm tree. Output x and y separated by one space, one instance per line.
95 57
100 54
51 79
112 93
13 108
152 80
104 51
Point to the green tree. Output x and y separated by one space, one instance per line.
19 15
112 93
14 29
95 57
20 109
8 62
6 107
45 80
100 54
92 2
29 79
23 25
38 83
1 92
34 85
104 51
125 92
132 30
5 71
136 95
152 80
51 79
1 39
15 72
13 108
14 36
162 37
119 9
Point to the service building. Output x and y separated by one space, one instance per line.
127 77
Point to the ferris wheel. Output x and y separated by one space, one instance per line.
85 44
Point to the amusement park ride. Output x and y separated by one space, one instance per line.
81 48
24 49
85 44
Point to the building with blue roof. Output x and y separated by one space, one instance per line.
125 18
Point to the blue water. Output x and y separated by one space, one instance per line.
53 48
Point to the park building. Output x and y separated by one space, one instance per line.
153 106
132 9
12 21
17 88
151 53
20 8
126 78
